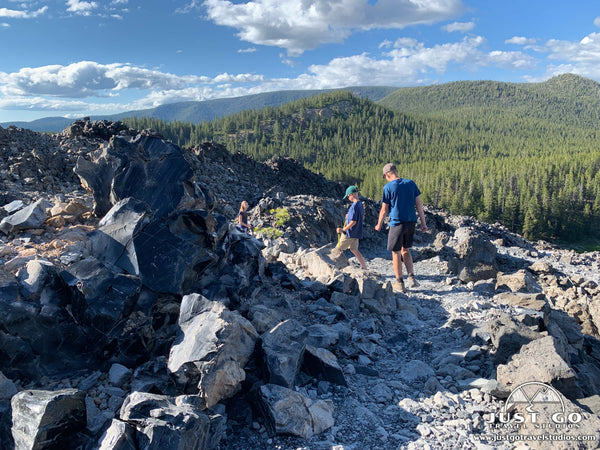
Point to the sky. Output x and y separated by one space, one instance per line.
76 58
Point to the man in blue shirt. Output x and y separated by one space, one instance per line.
400 198
352 230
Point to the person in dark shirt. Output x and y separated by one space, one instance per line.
352 230
242 218
400 199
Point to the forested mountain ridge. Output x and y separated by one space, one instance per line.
537 175
198 111
565 99
537 178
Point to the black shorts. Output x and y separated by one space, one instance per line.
401 236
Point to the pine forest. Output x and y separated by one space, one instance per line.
524 155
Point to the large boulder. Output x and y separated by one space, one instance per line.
40 282
146 168
210 353
323 264
118 436
322 364
240 265
533 309
164 422
46 419
289 412
283 347
168 253
112 241
37 328
32 216
474 259
101 297
508 335
520 281
544 360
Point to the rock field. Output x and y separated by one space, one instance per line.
134 315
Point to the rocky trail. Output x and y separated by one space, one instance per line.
422 380
134 315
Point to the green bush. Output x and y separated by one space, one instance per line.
282 216
269 232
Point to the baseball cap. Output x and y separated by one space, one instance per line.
389 167
351 190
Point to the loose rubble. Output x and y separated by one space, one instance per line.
134 315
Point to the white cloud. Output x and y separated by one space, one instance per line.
579 57
597 21
4 25
588 49
462 27
406 62
240 78
195 4
520 40
405 42
582 58
301 25
44 104
409 63
15 14
91 79
247 50
80 7
508 60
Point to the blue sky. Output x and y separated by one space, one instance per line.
74 58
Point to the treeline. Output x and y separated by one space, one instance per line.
538 178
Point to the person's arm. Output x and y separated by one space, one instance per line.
382 213
340 230
419 206
349 225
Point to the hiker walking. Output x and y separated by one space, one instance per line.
352 230
400 199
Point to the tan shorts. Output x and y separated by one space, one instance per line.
347 243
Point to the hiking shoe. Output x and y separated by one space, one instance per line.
411 282
398 286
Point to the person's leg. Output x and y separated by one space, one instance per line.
398 285
397 263
408 261
411 281
338 250
395 246
360 258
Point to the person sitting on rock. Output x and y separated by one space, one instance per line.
242 218
352 230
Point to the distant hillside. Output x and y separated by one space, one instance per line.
195 112
53 124
539 177
565 99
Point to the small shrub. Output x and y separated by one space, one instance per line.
269 232
282 216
